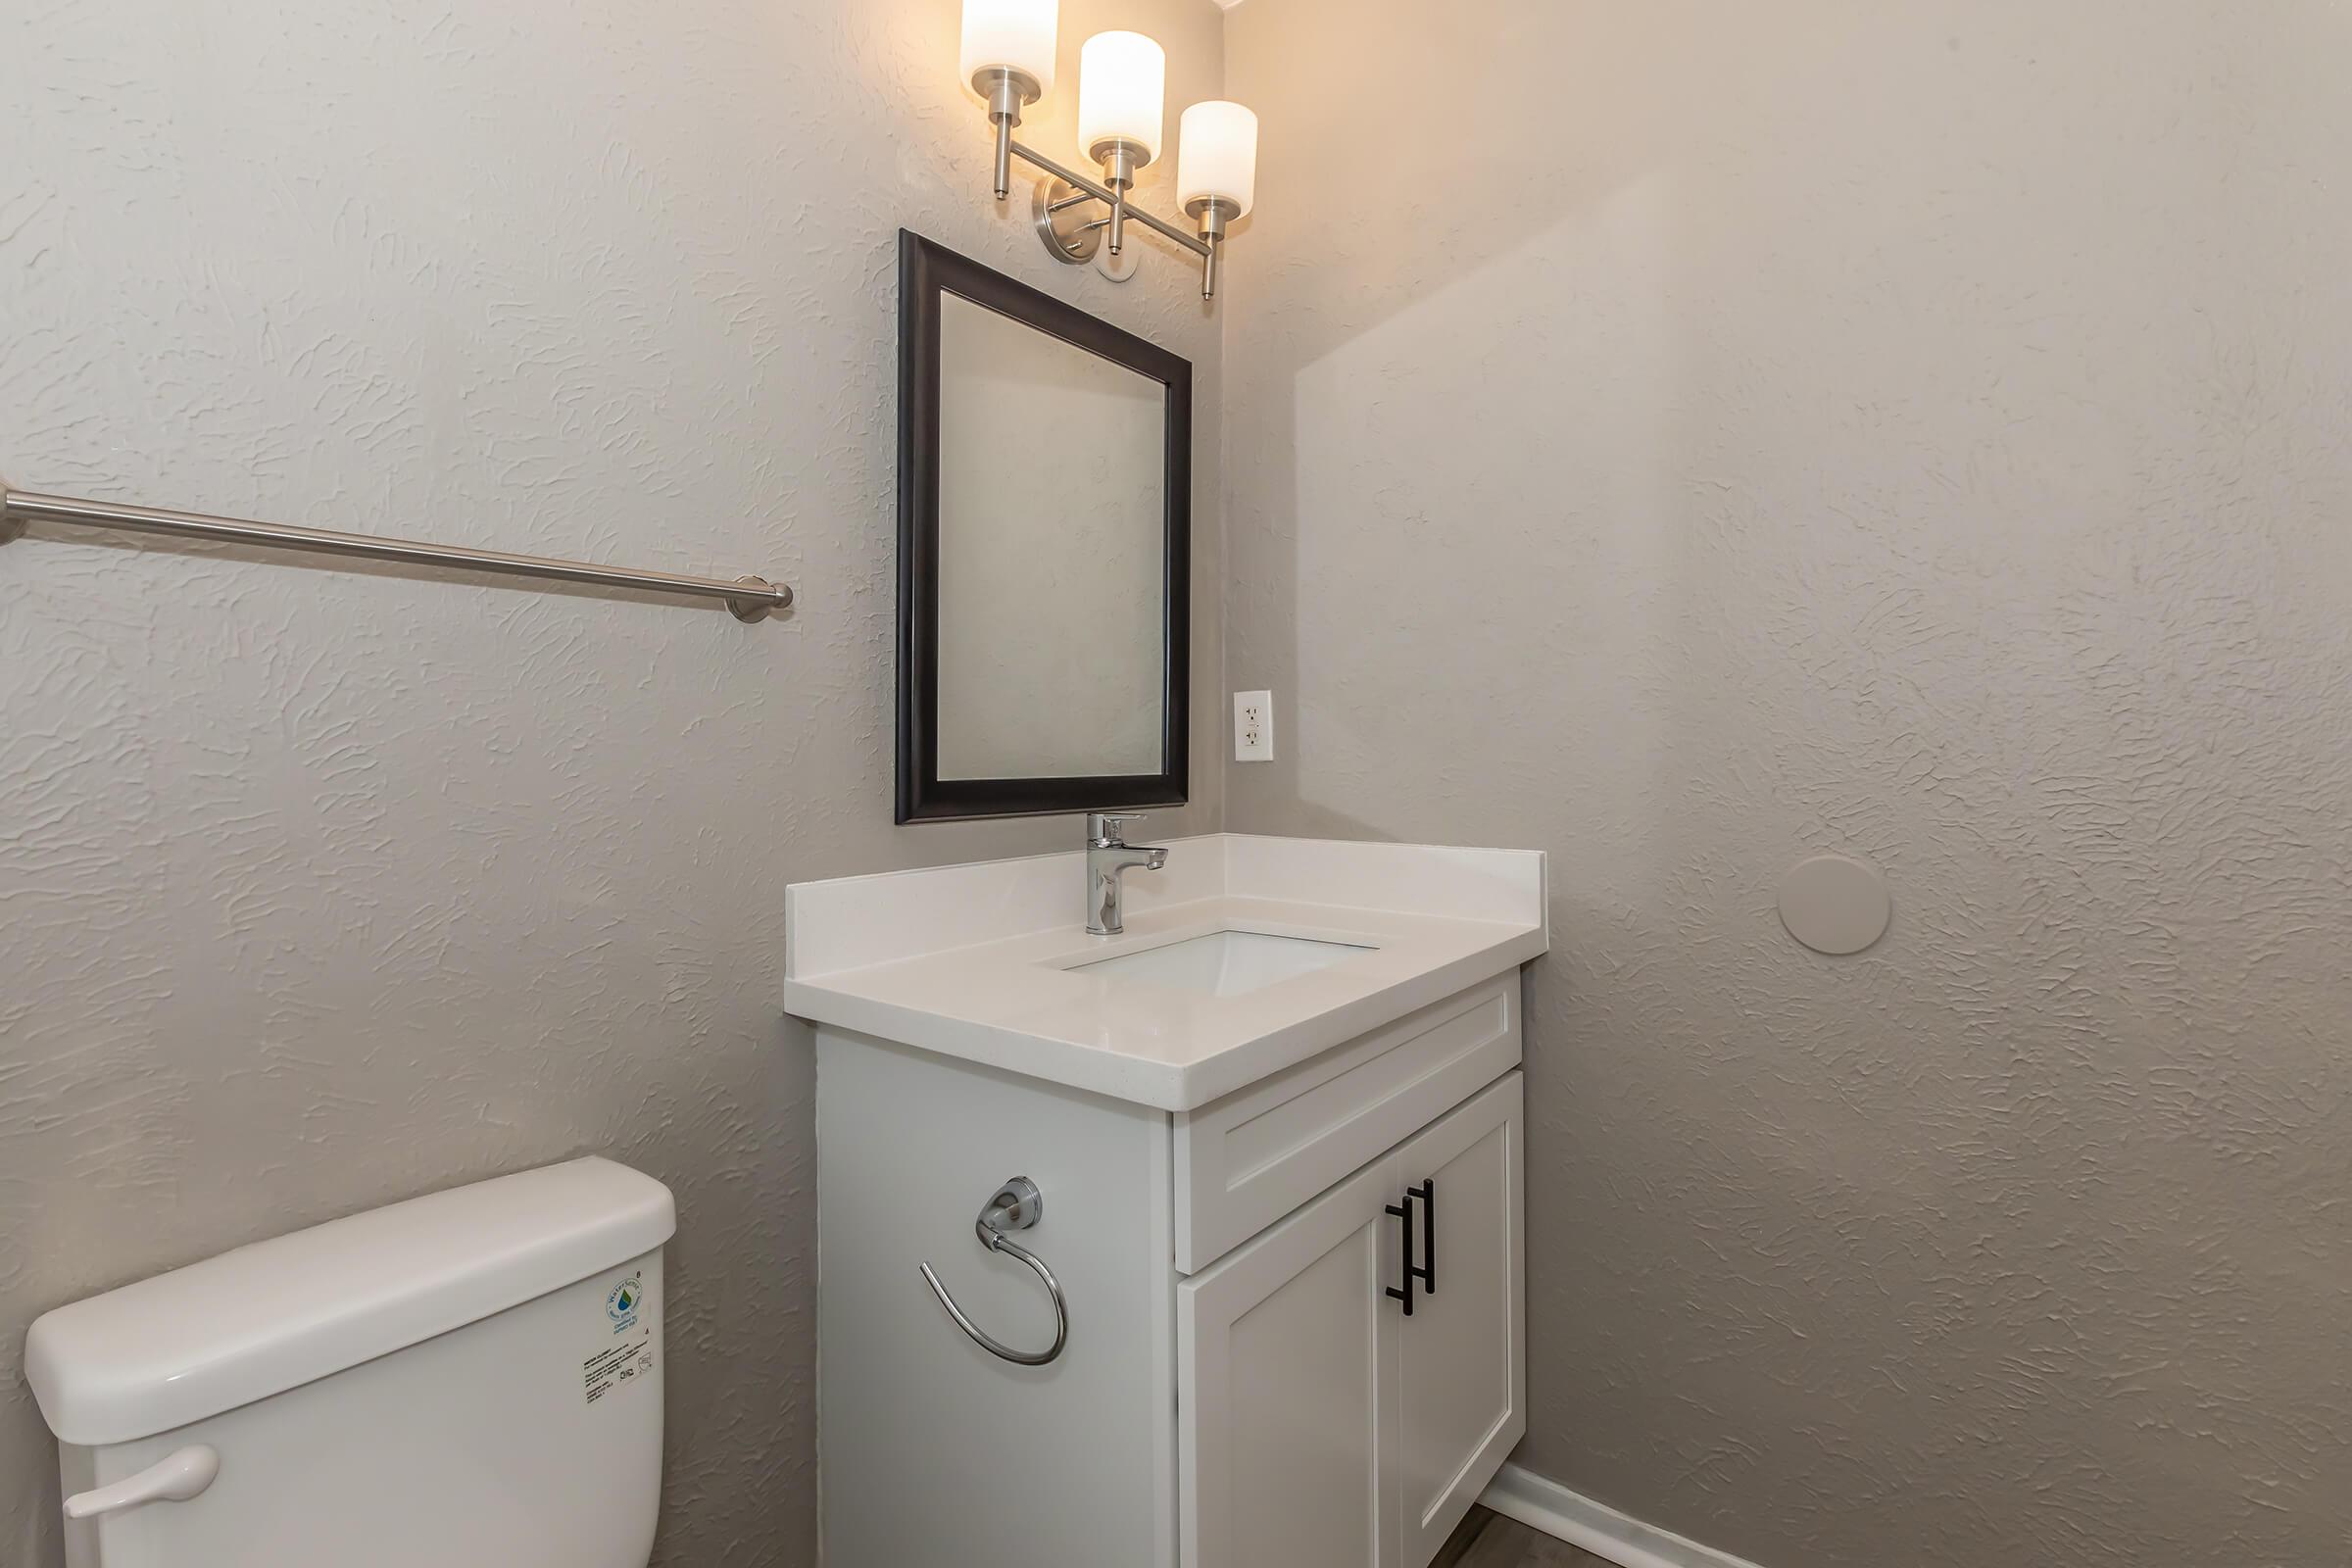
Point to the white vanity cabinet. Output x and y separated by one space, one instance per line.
1281 1203
1321 1425
1236 1393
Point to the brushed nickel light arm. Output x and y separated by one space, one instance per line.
1083 190
1060 212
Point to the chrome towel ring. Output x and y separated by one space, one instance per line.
1015 1206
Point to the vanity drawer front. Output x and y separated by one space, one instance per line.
1248 1159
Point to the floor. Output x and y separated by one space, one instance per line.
1490 1540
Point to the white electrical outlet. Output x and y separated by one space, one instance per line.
1253 727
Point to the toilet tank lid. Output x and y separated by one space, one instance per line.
191 1344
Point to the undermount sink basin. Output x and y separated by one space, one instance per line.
1224 963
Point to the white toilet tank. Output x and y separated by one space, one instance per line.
468 1380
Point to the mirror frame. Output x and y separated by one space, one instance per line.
926 270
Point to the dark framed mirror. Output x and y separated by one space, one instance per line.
1045 551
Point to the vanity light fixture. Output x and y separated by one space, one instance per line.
1009 48
1008 59
1122 109
1216 174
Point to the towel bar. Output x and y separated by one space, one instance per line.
750 598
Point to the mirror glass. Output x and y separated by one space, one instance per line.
1045 551
1053 525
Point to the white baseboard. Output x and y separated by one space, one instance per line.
1603 1531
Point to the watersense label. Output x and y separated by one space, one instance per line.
627 1353
622 1302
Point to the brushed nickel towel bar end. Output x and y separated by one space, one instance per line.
749 599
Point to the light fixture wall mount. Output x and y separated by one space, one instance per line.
1008 49
1059 209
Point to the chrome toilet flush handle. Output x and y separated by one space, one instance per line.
1015 1206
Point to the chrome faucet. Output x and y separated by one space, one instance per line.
1106 855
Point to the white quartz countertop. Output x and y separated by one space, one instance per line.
1017 1001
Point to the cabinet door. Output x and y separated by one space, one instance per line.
1286 1356
1461 1377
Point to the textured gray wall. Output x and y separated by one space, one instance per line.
323 887
1687 436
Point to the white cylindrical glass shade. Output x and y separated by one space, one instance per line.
1123 91
1010 35
1216 154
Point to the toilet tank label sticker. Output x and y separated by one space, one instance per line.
622 1302
627 1354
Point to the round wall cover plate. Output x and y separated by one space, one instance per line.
1120 268
1835 904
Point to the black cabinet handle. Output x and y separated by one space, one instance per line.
1427 1192
1403 1214
1425 1271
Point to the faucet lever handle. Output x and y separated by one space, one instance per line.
1109 827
